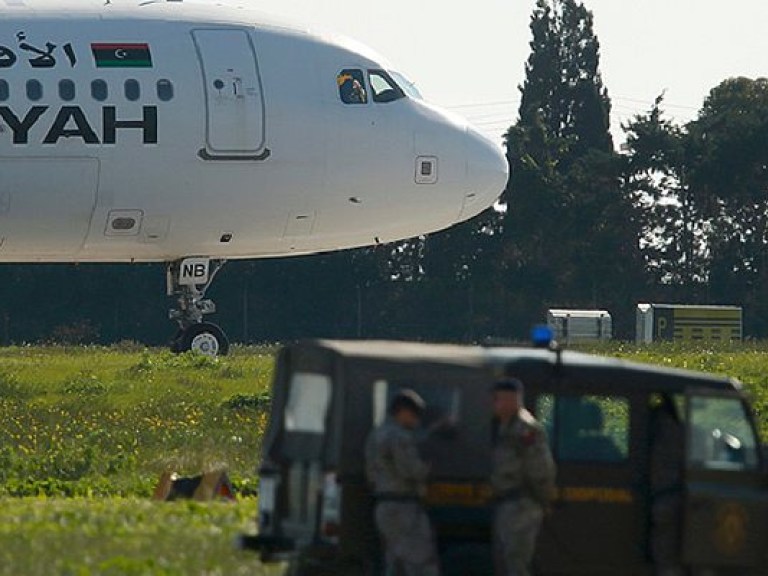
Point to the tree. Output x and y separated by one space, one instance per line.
702 191
570 235
729 171
673 236
563 93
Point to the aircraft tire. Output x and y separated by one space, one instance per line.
204 338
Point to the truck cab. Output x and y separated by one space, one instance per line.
316 507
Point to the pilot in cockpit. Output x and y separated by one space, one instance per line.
358 92
351 88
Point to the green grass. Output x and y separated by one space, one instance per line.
100 421
116 536
86 433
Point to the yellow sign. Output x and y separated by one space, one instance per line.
467 494
596 494
707 324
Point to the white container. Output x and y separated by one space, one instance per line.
575 325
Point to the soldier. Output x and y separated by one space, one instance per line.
523 480
398 476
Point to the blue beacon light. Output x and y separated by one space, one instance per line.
542 336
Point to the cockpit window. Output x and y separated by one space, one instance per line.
352 87
383 87
408 87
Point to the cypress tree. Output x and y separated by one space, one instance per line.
570 234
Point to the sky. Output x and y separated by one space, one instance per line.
470 55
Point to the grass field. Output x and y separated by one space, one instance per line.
86 432
107 422
124 536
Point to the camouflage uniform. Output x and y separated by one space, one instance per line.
398 474
523 481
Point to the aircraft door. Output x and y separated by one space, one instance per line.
726 493
234 102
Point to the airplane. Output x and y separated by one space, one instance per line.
189 133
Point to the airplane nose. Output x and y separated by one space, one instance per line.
487 173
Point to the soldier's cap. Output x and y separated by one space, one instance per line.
508 385
409 400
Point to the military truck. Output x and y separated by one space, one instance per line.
316 508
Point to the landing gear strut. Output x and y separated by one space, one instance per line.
188 280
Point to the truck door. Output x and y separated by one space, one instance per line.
234 101
596 519
726 498
301 448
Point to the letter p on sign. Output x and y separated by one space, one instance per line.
194 271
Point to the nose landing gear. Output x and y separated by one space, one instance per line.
189 280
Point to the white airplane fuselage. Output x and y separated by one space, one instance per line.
158 132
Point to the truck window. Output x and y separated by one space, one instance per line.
443 401
586 428
308 402
721 435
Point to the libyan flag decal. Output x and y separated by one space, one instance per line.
122 55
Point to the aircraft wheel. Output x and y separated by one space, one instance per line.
204 338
